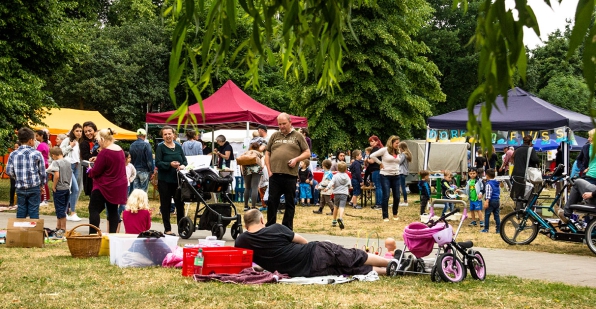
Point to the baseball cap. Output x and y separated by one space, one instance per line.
262 127
141 132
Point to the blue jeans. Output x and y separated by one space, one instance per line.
74 188
28 201
402 185
141 181
376 179
390 183
493 207
448 206
315 192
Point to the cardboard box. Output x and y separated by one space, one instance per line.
26 233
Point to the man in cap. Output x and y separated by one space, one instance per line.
142 159
263 132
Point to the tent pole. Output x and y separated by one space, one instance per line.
473 154
213 146
426 149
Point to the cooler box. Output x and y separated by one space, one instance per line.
217 260
126 250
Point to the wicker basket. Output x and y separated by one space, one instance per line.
84 246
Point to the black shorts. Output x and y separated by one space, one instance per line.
332 259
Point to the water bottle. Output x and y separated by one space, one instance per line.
199 260
223 165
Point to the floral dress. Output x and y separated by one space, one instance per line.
255 168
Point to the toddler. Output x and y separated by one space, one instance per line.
61 187
492 202
325 194
305 179
356 170
474 189
340 183
137 215
424 189
446 186
367 172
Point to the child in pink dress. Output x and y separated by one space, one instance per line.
137 216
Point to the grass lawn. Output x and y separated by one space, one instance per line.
49 278
365 222
52 279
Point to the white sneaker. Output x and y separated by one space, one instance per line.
403 204
44 203
68 218
75 218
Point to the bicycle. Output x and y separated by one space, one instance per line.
522 227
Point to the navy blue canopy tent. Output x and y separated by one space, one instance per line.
524 111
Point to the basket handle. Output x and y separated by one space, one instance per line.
84 224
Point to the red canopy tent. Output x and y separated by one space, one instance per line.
229 108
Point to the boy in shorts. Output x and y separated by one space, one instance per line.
61 187
474 188
340 183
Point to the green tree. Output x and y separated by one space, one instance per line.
447 34
567 91
550 60
31 46
388 85
122 74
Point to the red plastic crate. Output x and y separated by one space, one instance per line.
218 260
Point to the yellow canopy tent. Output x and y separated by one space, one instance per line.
61 120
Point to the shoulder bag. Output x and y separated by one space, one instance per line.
247 158
533 174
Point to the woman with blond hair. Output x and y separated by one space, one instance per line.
403 158
137 216
389 174
110 185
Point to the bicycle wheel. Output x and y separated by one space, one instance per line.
591 235
450 268
516 229
477 265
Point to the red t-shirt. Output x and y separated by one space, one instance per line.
138 222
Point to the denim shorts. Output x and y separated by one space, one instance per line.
60 202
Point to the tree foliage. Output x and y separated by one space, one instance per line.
567 91
448 34
388 85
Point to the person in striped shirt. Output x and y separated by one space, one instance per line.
27 166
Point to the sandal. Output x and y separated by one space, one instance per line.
13 208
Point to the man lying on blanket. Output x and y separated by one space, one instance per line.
276 247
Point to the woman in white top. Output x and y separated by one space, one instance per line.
389 174
72 154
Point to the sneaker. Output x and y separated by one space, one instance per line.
318 212
484 231
561 215
329 213
317 204
386 220
279 211
473 223
246 208
333 223
351 204
340 221
403 204
59 233
377 207
263 209
395 218
75 218
357 207
44 203
481 223
68 218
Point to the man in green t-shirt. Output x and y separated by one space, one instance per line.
286 148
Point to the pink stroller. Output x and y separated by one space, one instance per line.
419 242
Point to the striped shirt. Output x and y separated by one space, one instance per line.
27 166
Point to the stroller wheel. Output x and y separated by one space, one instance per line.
236 230
185 227
218 231
392 268
434 275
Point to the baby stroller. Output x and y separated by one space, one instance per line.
451 258
197 186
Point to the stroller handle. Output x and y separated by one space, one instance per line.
432 223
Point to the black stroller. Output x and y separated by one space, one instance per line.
197 186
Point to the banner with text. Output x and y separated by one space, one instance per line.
510 138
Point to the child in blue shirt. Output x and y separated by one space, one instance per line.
474 188
492 202
424 188
305 180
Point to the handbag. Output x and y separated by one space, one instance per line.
247 159
533 174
